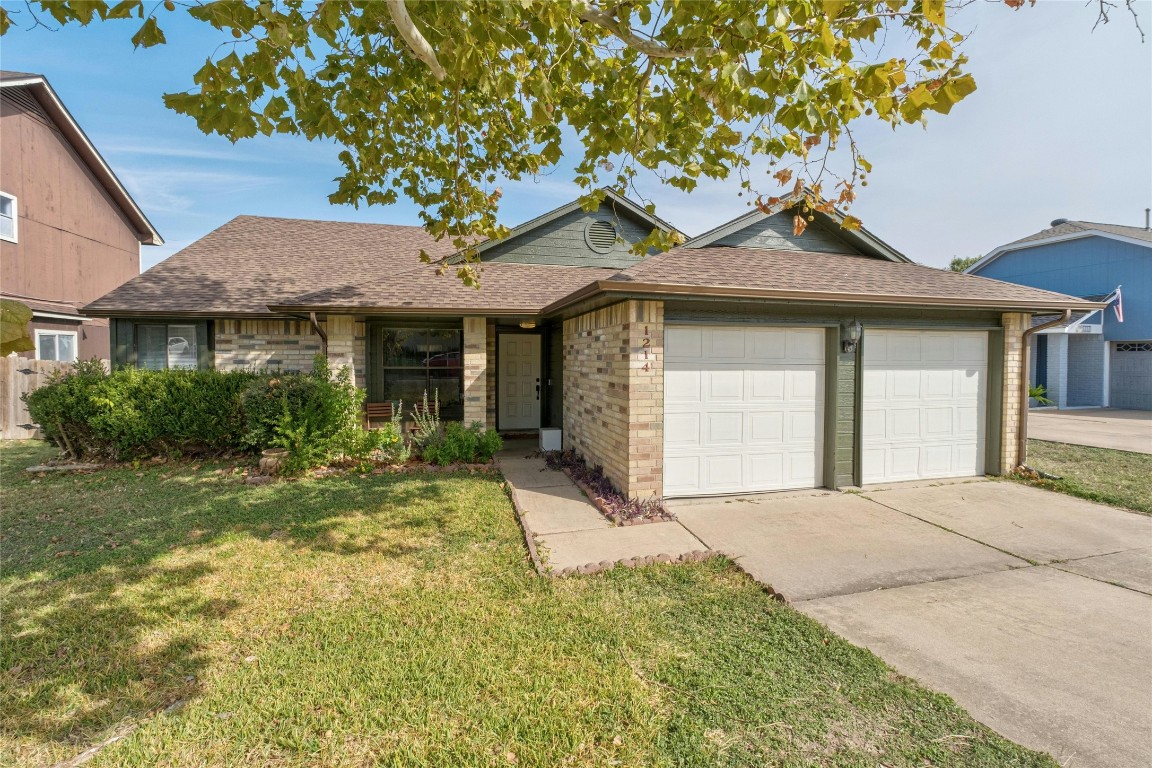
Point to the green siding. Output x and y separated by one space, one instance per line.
775 232
562 241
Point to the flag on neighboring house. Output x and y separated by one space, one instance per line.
1117 303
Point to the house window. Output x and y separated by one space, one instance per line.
56 345
7 217
1139 346
160 346
418 360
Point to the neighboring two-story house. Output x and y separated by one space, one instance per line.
69 231
1095 359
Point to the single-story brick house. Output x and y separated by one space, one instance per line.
726 365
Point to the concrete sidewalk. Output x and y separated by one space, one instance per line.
568 531
1095 427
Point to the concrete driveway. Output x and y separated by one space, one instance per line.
1032 609
1097 427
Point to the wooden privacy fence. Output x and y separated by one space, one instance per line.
17 376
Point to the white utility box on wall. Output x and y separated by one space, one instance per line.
551 439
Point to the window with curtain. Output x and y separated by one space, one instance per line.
419 360
160 346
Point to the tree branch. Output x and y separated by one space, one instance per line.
649 48
416 42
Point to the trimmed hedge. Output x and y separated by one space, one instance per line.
131 414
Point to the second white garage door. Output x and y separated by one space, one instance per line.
924 404
743 409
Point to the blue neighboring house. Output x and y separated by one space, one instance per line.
1094 359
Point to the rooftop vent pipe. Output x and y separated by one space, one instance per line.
1058 222
1148 218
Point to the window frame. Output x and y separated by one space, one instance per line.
378 370
48 332
15 238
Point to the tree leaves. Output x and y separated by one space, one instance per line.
680 90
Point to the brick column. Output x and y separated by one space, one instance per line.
341 331
1014 324
475 370
645 339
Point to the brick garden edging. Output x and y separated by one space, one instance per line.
696 556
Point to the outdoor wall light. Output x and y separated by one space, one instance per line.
850 336
527 324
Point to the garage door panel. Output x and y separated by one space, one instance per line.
767 384
724 471
724 385
927 420
682 430
743 409
806 345
765 427
681 386
724 428
683 343
681 473
725 344
768 344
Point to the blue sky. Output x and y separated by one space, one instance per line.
1061 126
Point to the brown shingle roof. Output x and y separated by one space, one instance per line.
509 287
824 277
254 261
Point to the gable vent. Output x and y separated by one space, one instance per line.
600 235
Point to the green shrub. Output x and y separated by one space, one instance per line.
458 444
133 413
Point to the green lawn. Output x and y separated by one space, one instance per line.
1119 478
395 620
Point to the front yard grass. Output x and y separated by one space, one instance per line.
1119 478
394 620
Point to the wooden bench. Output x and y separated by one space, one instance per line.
376 412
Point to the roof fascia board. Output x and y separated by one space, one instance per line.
1010 247
675 289
72 131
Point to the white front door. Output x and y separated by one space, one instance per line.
518 381
743 409
924 404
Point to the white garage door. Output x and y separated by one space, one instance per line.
743 409
924 404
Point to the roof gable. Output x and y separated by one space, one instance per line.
774 230
564 236
1064 232
55 110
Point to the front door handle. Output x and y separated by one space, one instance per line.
537 389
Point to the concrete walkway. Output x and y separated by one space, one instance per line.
1030 608
1096 427
569 532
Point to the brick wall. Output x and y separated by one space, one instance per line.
279 345
288 345
614 393
475 370
1014 324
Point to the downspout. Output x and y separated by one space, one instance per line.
1025 361
320 332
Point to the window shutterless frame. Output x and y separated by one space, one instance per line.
9 218
49 342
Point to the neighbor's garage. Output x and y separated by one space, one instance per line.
743 409
924 404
